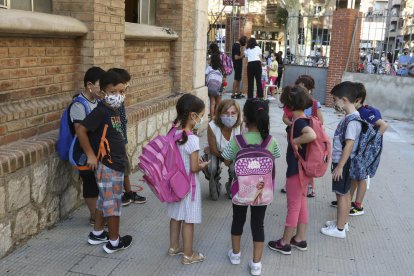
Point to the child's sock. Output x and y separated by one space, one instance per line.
97 233
115 242
358 205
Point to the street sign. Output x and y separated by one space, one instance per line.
233 2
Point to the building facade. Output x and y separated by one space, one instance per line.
45 49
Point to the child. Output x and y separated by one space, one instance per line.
372 116
309 83
77 113
109 171
214 81
265 74
273 74
345 96
183 214
297 99
256 118
129 196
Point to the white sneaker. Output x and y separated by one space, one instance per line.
271 98
333 231
255 268
333 222
234 258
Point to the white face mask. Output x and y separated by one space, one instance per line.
340 105
228 121
198 125
114 100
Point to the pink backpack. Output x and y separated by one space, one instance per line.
318 152
255 173
164 169
227 64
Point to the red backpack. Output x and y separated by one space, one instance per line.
318 151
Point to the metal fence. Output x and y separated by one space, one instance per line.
308 40
384 36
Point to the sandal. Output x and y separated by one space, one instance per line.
195 258
176 251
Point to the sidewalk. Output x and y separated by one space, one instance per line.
379 242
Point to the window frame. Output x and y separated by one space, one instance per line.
6 5
32 5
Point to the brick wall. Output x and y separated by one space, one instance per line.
343 26
148 62
179 15
37 77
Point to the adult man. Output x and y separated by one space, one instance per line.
403 63
237 57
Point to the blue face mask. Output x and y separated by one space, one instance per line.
228 121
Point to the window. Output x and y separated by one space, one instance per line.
140 11
28 5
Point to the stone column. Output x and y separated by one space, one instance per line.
248 31
180 16
104 44
343 26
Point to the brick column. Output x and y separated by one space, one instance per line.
343 27
180 16
104 43
247 31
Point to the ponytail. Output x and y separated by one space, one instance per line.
184 136
262 122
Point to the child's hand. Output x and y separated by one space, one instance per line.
295 145
337 173
204 164
92 162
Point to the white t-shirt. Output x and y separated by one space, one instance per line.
253 54
221 141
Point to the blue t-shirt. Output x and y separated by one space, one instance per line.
308 111
369 114
291 160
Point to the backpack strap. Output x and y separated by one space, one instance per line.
297 155
104 149
315 108
84 102
265 143
241 142
345 126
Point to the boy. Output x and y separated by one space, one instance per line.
344 148
77 113
109 170
129 196
372 116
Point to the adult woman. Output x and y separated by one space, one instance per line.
221 129
254 68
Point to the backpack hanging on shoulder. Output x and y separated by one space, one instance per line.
255 172
227 63
214 81
78 158
366 160
164 170
318 152
66 129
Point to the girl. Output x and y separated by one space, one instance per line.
214 81
297 99
227 122
309 83
273 73
256 118
279 60
185 213
254 68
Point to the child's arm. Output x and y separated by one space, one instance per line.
286 120
383 126
82 133
195 164
346 153
307 136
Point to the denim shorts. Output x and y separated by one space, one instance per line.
343 185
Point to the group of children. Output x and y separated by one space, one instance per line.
103 185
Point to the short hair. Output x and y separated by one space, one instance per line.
223 106
346 89
296 97
124 74
214 49
362 92
109 78
242 40
92 75
307 81
251 43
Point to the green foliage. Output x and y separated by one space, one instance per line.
281 16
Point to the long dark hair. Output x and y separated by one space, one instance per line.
186 104
256 113
251 43
296 97
214 49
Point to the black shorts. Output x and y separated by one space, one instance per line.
90 187
342 186
238 68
